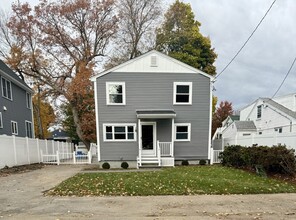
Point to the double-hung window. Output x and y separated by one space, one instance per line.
6 88
28 100
119 132
182 93
115 93
14 129
182 131
29 132
1 122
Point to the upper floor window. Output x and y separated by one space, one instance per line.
14 128
6 88
29 132
182 131
28 100
182 93
115 93
1 122
119 132
259 111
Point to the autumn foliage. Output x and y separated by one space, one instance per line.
221 113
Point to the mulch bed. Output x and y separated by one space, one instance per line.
6 171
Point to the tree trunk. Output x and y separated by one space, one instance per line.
78 127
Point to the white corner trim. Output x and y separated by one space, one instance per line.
123 93
97 120
210 121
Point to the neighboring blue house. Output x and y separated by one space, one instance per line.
153 110
16 110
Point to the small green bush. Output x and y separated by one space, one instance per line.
276 159
124 165
202 162
106 165
185 163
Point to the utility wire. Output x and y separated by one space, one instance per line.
287 74
237 53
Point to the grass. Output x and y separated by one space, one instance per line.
190 180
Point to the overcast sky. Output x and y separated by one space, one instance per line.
263 63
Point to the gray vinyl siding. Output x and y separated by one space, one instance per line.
155 91
16 111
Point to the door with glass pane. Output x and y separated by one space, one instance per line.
148 138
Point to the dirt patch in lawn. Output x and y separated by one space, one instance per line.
6 171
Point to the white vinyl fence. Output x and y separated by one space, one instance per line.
288 139
17 151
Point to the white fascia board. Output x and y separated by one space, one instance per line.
196 71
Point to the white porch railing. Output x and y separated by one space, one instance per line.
215 156
166 149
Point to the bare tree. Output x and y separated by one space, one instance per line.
58 41
137 24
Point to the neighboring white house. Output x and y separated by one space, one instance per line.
263 122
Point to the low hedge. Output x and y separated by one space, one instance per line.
276 159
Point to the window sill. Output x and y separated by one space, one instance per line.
120 104
7 98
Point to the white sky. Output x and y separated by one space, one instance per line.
263 63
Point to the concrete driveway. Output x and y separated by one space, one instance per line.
21 197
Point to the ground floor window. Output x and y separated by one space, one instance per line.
119 132
14 128
29 132
182 131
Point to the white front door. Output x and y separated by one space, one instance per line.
148 138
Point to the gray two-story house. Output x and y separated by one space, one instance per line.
16 110
153 110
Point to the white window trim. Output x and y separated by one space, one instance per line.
1 120
123 93
6 88
28 95
26 128
119 125
16 126
175 93
189 132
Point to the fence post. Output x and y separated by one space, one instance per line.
38 149
28 150
74 158
211 156
58 158
14 149
41 152
52 146
89 156
46 147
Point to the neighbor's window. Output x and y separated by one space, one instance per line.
1 122
6 88
14 129
182 93
259 111
182 131
119 132
115 93
29 132
28 100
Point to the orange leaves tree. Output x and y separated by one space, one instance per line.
59 44
221 113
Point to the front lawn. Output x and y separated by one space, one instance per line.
171 181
